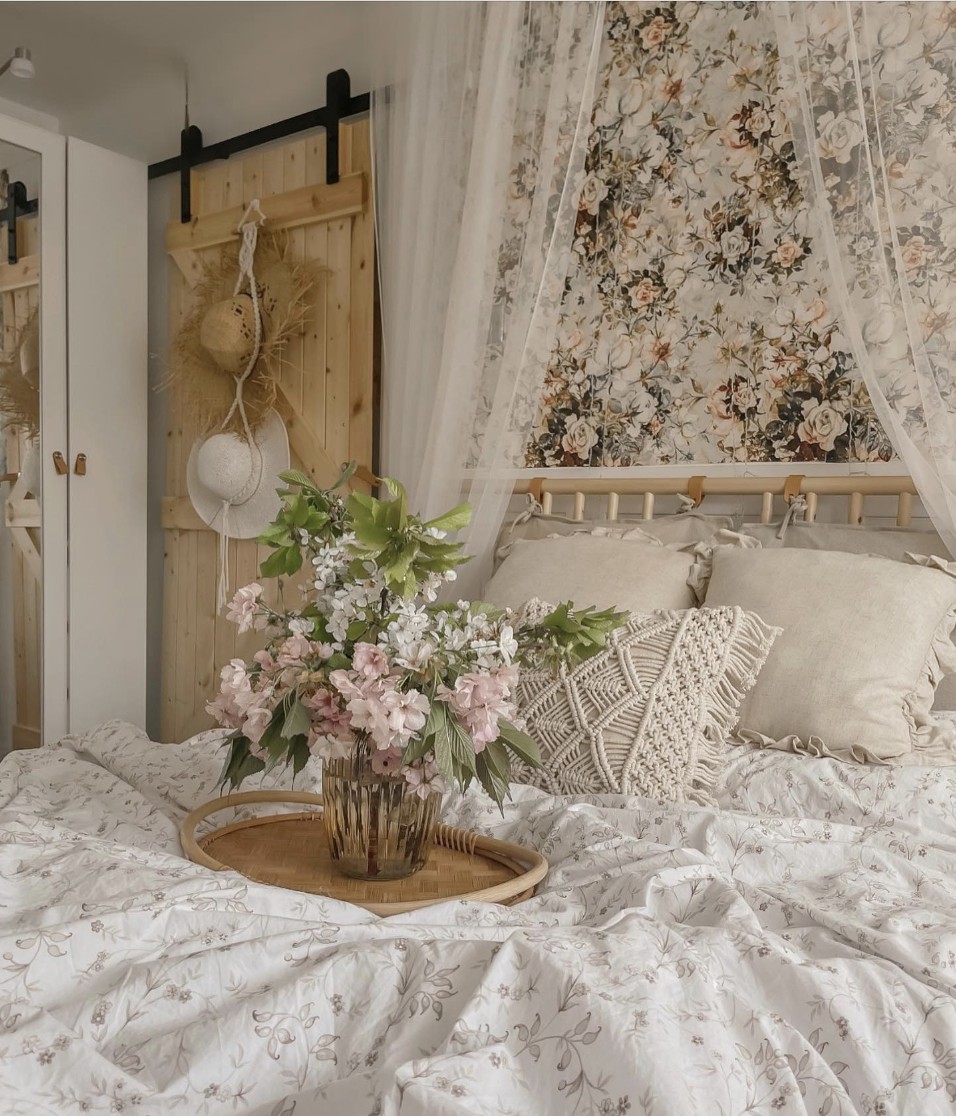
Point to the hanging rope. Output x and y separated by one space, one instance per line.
249 228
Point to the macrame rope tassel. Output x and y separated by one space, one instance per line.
249 228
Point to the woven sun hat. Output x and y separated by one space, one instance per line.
232 484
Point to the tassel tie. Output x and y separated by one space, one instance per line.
797 506
249 228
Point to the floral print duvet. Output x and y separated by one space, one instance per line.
791 952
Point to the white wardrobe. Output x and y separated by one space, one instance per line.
74 492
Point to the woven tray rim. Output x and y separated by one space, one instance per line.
529 866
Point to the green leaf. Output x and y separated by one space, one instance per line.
300 755
297 721
373 537
489 767
454 520
362 507
240 763
520 743
275 564
295 476
293 559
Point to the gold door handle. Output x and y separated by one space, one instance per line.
80 466
59 463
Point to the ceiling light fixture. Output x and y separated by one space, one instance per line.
20 65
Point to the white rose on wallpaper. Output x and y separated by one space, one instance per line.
900 36
613 351
733 245
821 426
593 192
635 104
579 438
641 405
744 396
838 137
652 155
884 332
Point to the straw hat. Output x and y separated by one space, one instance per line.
217 339
232 485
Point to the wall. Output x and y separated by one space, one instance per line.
697 325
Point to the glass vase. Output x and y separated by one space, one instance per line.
378 828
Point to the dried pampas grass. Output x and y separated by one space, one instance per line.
285 287
19 396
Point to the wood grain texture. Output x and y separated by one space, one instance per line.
325 396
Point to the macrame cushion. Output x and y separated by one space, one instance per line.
648 715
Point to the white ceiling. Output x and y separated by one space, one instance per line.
113 73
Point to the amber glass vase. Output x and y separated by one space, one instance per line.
378 828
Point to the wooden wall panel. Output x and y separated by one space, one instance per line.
326 391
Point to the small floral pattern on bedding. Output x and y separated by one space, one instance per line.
793 952
697 324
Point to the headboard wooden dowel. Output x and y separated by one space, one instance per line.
855 513
613 506
578 505
721 486
811 512
766 507
904 510
547 502
647 511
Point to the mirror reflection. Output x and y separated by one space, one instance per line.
20 530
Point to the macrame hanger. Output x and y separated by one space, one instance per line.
248 228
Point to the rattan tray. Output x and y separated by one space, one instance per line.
290 851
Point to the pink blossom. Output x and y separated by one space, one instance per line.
480 700
266 661
256 722
330 747
235 677
408 712
369 660
244 605
293 650
425 779
328 717
386 762
224 710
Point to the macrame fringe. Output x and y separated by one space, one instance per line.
748 646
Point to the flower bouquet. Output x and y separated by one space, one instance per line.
399 694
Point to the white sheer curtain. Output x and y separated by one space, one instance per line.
479 144
871 94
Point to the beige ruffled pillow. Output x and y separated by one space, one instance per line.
633 575
648 715
865 642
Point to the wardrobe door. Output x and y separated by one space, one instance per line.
107 349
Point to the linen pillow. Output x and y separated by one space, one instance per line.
865 642
649 714
678 530
634 576
891 542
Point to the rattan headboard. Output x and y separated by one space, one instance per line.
854 488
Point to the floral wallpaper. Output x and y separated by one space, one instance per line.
696 324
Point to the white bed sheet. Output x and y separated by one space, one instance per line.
794 952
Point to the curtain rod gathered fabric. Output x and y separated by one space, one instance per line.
869 96
479 148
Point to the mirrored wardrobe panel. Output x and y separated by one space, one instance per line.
21 535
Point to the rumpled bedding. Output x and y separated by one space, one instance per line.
793 951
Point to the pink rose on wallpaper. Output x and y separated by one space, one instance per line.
916 253
654 34
787 253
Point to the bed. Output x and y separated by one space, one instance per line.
788 948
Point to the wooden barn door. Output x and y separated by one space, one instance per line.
326 388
